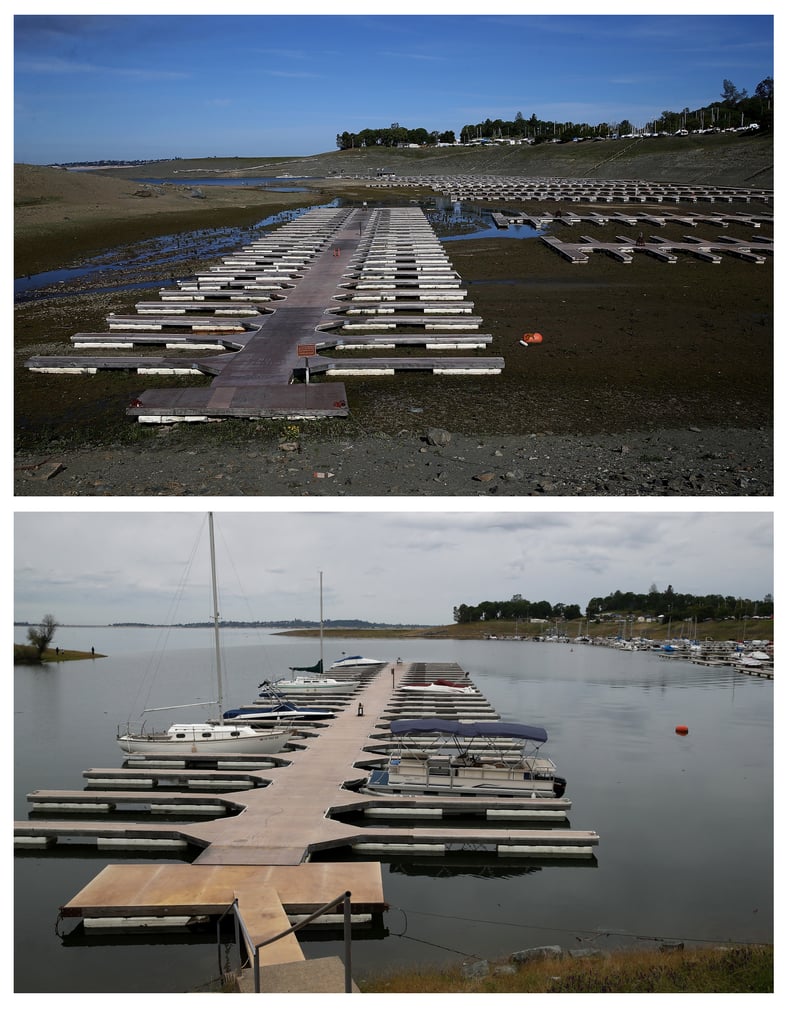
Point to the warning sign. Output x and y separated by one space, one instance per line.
306 350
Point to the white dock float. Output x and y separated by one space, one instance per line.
140 842
403 813
399 848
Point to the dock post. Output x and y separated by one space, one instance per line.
347 943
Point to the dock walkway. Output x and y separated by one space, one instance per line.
269 309
267 856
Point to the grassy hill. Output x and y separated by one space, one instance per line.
752 629
724 159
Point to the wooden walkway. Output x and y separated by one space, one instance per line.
299 812
264 848
309 285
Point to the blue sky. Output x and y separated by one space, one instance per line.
405 567
156 86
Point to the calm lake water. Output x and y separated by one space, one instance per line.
686 823
286 183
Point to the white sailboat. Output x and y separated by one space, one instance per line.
314 683
314 679
210 737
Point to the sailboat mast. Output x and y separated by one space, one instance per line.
321 624
216 617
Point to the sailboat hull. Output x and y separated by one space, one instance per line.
208 739
313 685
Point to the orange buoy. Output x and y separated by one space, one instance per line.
681 729
531 339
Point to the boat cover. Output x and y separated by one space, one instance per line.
287 707
478 729
317 669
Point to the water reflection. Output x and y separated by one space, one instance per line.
450 866
110 271
279 183
685 824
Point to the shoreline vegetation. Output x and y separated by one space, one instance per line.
725 631
653 379
24 654
737 630
725 969
761 629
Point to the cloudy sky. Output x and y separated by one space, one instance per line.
104 84
401 567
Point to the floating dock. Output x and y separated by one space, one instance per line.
263 830
624 248
278 315
586 190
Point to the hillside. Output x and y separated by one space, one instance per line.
725 159
753 629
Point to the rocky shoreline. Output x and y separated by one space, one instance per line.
666 462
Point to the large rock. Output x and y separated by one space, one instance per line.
438 437
540 952
475 971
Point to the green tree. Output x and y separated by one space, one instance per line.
730 95
40 636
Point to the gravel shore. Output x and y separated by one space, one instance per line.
667 462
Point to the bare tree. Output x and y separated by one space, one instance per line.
40 636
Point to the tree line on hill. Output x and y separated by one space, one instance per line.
735 110
667 605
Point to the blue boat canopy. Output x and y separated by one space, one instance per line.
478 729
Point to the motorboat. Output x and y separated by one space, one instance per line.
355 661
210 737
443 757
442 685
274 706
258 715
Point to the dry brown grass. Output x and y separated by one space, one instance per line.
727 970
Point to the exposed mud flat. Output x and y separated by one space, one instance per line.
671 462
652 379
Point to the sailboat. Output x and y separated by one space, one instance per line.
210 737
313 679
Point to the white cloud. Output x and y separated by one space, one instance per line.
403 567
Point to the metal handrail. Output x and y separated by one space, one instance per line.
344 898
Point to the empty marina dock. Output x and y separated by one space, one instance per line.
282 317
